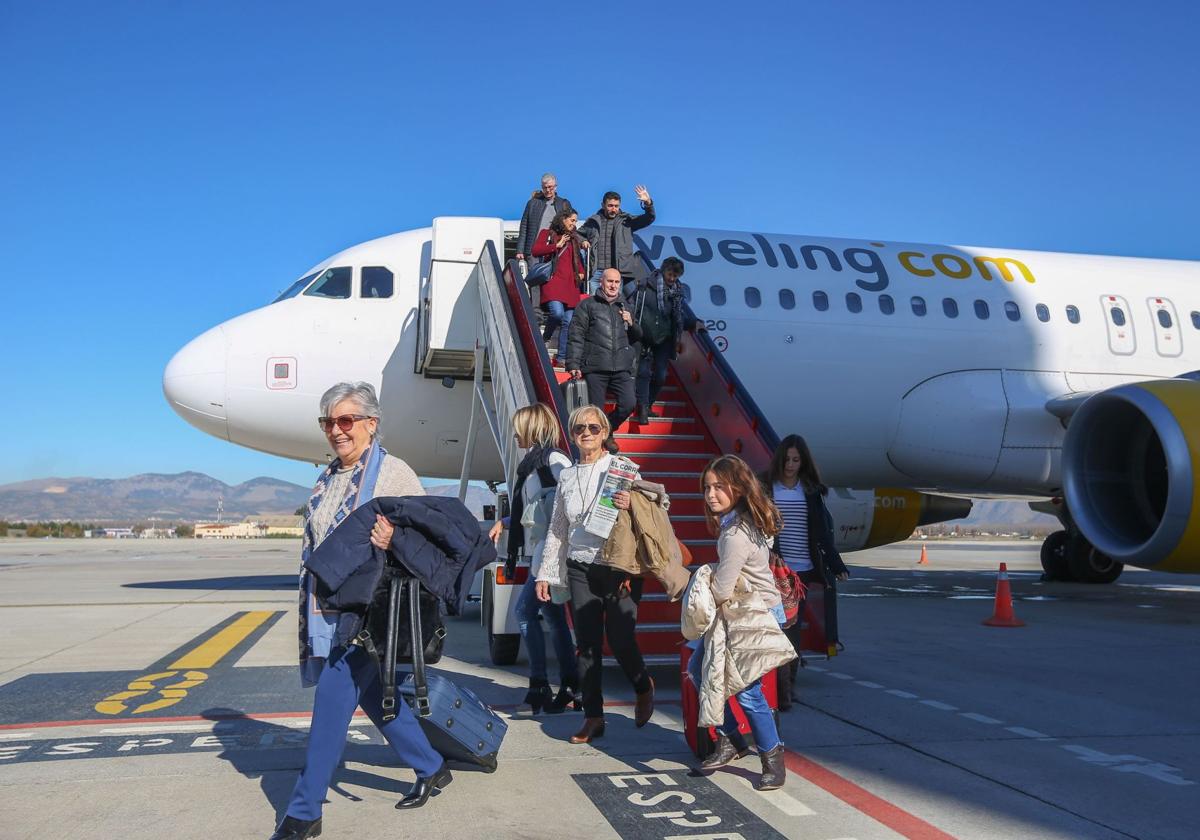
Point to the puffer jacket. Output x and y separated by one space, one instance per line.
642 541
619 233
531 218
599 339
742 641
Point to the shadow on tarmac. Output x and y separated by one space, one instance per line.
241 582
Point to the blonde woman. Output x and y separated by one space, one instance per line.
536 429
604 600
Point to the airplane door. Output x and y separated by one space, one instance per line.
1121 339
1167 339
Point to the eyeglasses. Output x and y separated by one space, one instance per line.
345 422
580 428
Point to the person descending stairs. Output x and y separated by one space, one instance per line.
672 450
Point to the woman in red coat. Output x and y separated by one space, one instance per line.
560 294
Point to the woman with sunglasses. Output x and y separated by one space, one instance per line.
345 676
604 600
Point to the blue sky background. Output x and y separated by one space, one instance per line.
167 166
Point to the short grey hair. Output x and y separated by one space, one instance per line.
362 393
549 176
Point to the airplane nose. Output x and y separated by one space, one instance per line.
194 382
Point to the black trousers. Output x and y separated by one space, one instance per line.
621 383
598 609
652 372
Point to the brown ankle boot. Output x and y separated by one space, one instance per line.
593 728
644 707
729 748
774 770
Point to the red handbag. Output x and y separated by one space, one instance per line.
792 590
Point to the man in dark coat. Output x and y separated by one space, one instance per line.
541 208
610 232
658 303
601 350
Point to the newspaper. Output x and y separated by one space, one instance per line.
620 476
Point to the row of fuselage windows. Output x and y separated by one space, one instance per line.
920 308
887 304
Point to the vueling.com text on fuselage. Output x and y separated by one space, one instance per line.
794 253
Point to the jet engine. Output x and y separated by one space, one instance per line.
1130 462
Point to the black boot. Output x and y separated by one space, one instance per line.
424 788
729 748
611 446
568 695
294 829
774 770
539 696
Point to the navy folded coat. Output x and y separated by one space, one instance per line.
437 540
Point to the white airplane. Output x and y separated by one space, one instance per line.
912 369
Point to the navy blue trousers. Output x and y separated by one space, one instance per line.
350 679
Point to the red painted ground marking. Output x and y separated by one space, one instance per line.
880 810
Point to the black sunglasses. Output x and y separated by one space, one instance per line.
580 428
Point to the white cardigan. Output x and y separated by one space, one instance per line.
578 487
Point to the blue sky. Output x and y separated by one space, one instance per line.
168 166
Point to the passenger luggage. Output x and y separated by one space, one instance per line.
539 274
458 724
702 741
575 394
819 634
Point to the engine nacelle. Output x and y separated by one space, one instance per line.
1130 462
885 515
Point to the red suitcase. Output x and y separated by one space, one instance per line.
701 742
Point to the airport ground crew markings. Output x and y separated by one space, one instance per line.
166 688
1121 763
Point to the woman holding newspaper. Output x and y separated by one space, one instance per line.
604 599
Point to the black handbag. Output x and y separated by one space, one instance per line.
539 274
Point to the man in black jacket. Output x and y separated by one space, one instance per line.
610 233
600 350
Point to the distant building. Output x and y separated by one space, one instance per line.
110 533
158 534
229 530
279 524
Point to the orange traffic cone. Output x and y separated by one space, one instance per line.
924 561
1002 614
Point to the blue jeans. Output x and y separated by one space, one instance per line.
351 679
558 316
754 705
594 281
528 607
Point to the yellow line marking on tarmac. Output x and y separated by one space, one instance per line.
209 653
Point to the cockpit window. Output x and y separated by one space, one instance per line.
376 282
295 289
333 283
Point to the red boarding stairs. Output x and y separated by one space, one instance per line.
705 411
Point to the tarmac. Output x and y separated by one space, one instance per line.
148 689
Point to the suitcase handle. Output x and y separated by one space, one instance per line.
420 686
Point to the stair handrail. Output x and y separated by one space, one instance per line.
545 384
702 393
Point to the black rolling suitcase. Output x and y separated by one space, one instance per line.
458 724
575 394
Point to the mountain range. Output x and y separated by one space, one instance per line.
192 496
187 496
